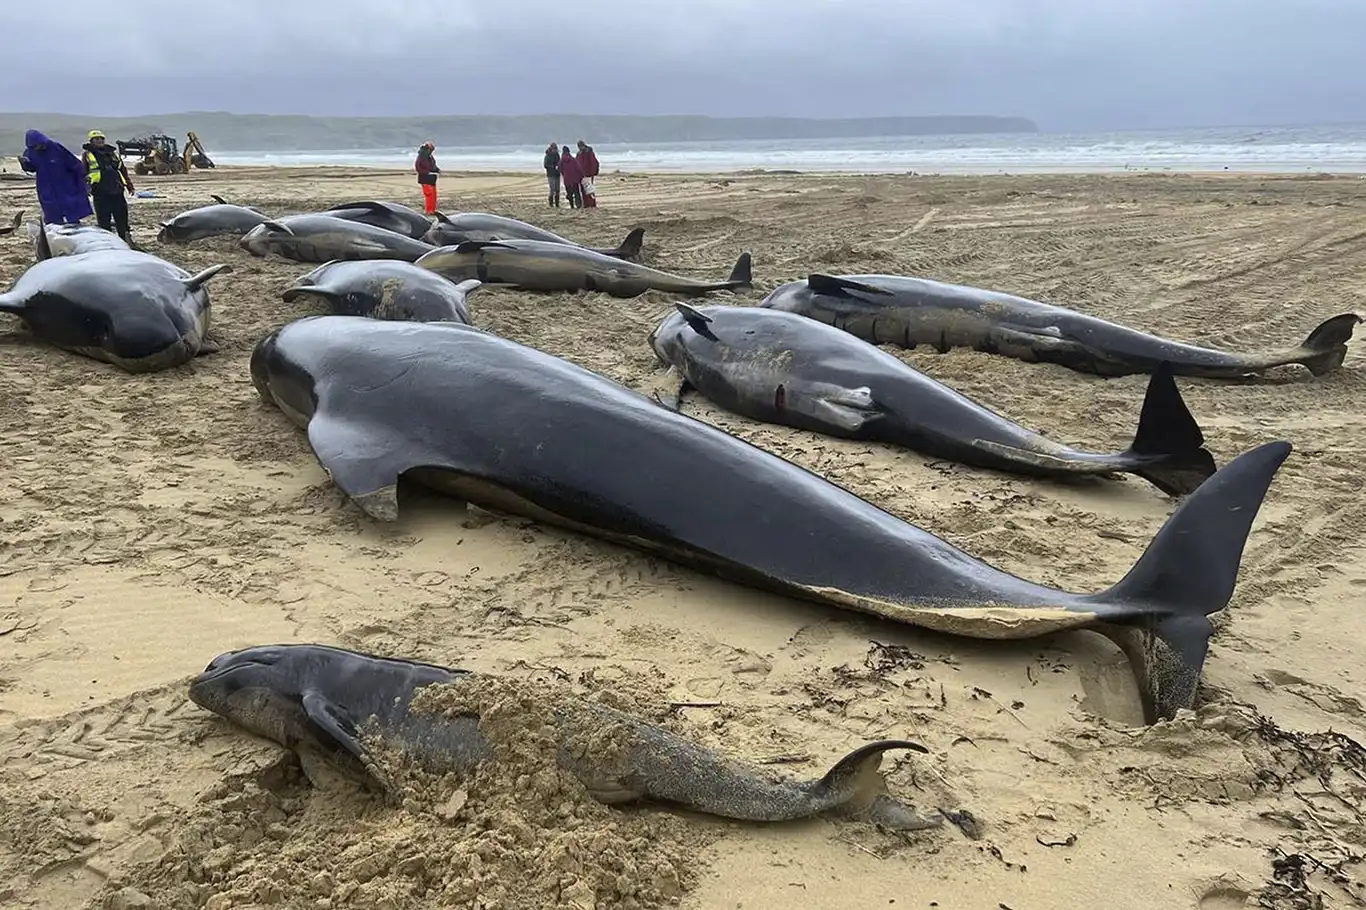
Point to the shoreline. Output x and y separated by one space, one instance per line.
373 170
798 172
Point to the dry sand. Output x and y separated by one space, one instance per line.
149 522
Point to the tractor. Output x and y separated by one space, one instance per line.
160 154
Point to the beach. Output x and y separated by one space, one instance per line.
150 522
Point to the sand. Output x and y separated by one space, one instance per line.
148 523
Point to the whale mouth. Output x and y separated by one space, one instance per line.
212 673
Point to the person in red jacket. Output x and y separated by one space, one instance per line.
588 163
426 168
572 175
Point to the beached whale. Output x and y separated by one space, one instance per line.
124 307
337 706
787 369
72 239
391 216
893 309
534 265
466 226
222 219
322 238
384 289
513 429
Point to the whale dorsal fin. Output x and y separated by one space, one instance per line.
474 246
44 250
219 199
369 204
834 286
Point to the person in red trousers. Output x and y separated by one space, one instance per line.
426 168
588 163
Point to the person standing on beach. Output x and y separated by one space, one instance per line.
572 175
59 177
427 171
109 180
588 163
552 173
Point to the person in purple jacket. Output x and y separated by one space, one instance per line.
60 177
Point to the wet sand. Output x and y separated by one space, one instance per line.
149 522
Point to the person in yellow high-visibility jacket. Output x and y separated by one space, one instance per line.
109 180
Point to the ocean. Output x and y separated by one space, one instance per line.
1236 149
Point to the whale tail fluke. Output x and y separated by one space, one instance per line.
1169 448
1160 609
1326 347
631 246
717 786
856 787
742 275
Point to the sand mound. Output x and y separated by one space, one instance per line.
518 834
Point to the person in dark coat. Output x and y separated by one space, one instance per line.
109 180
552 173
588 163
427 172
572 175
60 179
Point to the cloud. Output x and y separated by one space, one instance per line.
1069 64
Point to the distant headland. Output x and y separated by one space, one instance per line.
222 131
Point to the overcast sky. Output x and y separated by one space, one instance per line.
1068 64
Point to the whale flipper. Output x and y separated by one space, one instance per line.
365 469
291 294
195 282
334 726
840 411
668 390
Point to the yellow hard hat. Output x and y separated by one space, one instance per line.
94 134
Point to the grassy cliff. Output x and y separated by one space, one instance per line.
259 132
